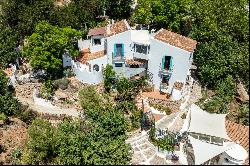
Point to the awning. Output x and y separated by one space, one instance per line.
204 151
206 123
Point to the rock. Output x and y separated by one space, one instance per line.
242 92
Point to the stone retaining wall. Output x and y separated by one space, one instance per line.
173 105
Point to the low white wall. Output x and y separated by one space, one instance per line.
40 101
82 74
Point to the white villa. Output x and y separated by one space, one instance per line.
165 56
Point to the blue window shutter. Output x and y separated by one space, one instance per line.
163 61
114 50
171 64
122 50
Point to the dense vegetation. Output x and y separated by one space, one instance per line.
99 139
47 44
9 106
222 31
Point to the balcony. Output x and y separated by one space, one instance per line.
166 72
118 59
137 55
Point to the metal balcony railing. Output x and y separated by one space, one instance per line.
140 55
166 72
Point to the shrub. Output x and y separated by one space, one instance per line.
16 153
108 74
136 119
28 116
48 89
62 84
5 119
161 107
68 72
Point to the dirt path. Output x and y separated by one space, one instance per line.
41 109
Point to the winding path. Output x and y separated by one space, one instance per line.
42 109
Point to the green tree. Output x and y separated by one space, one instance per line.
78 14
221 28
9 105
243 114
108 75
118 9
90 147
3 82
40 148
9 41
169 14
225 93
47 44
23 15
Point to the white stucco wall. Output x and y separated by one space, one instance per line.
99 61
66 60
83 44
41 101
96 48
181 62
84 75
120 38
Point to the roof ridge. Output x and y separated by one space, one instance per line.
175 39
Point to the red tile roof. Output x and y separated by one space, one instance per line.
97 31
135 62
118 27
86 55
176 40
239 133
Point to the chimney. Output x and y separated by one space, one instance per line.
108 28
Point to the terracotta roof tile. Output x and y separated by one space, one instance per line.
118 27
239 133
176 40
135 62
96 55
97 31
86 55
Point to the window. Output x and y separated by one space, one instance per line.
190 57
96 67
97 41
118 64
141 49
89 67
